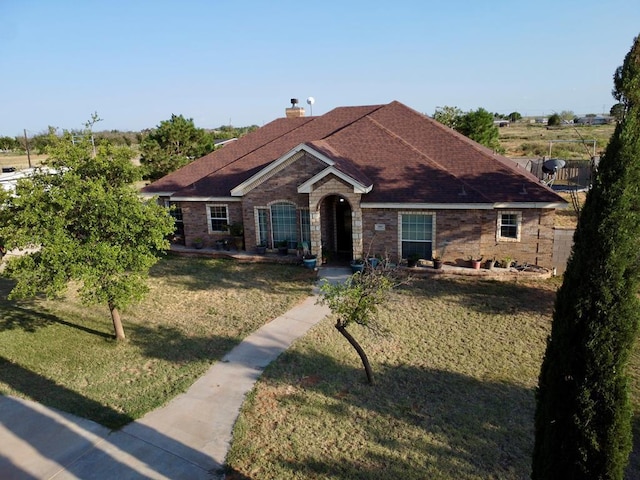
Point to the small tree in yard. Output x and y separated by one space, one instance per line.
357 301
583 414
84 222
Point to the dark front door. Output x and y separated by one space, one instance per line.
344 237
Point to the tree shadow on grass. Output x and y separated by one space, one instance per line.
194 273
468 427
490 296
46 391
29 316
169 343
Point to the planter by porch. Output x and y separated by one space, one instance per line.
437 264
309 262
475 264
261 249
357 267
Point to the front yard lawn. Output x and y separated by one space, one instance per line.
63 354
453 399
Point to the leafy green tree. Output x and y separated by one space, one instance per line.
9 143
357 301
514 116
84 222
449 116
478 126
171 145
583 415
554 120
617 111
567 115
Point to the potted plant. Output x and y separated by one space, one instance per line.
236 230
437 262
198 242
475 262
490 263
357 265
412 260
283 247
261 248
309 261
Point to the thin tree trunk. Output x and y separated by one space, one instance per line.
117 323
356 345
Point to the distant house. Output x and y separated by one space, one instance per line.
593 120
379 178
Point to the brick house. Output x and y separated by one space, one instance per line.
382 179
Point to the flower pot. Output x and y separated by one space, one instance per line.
283 250
475 264
357 267
309 263
373 261
198 244
437 264
490 264
261 249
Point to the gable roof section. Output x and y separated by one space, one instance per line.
394 153
315 149
217 173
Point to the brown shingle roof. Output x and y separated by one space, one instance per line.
405 155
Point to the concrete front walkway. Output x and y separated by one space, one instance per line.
187 439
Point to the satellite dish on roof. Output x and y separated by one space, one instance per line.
311 101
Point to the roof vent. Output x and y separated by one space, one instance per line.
294 102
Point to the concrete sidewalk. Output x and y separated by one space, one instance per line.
187 439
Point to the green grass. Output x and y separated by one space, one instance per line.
453 399
63 354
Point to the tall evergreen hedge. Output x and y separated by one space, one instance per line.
583 415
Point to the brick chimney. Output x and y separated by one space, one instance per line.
294 111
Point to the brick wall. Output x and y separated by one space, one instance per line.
281 186
464 233
196 221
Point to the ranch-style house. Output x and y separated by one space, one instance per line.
379 179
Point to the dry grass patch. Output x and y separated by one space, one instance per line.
454 393
532 140
20 161
63 354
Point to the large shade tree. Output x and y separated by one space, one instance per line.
171 145
583 415
80 219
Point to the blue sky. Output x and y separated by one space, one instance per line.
136 62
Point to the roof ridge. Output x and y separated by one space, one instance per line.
424 155
364 115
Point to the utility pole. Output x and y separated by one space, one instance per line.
26 144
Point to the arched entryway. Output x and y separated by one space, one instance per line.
336 228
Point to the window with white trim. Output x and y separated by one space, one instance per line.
416 234
218 216
262 217
509 226
283 222
305 226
